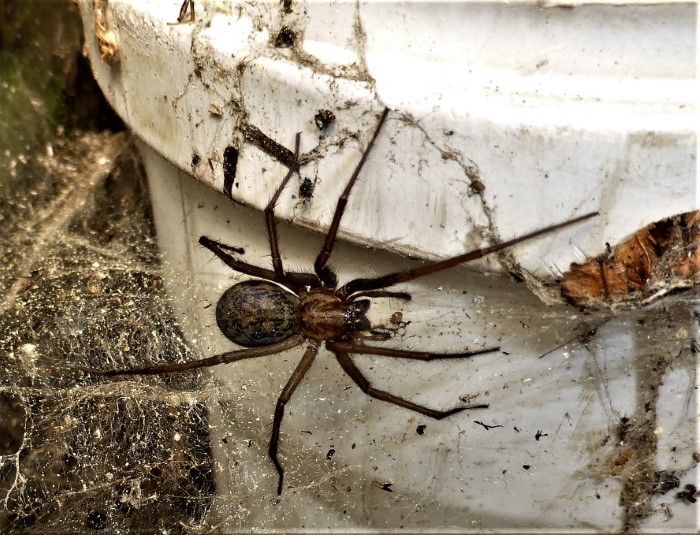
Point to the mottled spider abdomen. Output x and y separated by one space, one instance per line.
257 313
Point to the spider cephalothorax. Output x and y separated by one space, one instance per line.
287 309
325 316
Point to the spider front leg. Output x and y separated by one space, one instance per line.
289 389
293 281
382 293
323 271
364 285
270 213
182 15
349 347
356 375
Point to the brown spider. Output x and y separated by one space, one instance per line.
287 309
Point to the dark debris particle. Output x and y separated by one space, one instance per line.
286 38
96 520
526 467
421 429
487 426
383 486
230 163
540 434
323 119
623 428
477 186
517 277
665 481
306 189
330 454
195 159
688 494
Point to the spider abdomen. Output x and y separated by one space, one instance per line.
257 313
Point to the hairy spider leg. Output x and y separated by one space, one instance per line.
360 380
293 281
349 347
290 387
323 272
223 358
364 285
382 293
183 13
270 213
183 10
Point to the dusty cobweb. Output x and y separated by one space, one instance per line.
83 287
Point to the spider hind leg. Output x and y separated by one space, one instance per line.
290 387
360 380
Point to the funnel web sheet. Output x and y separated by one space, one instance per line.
82 287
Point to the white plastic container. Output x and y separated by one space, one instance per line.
504 118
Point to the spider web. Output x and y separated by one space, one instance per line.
83 287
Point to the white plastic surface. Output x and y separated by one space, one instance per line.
556 112
554 458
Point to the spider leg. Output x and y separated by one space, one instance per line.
223 358
323 272
294 380
374 336
270 214
349 347
382 293
181 16
293 281
356 375
365 285
183 12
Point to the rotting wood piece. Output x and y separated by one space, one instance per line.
661 257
